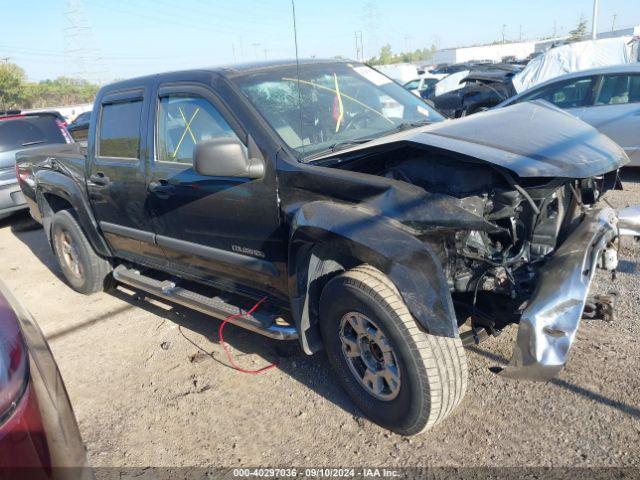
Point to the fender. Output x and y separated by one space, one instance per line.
327 237
58 184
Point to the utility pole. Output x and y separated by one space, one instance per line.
520 36
82 55
359 49
407 43
265 53
504 27
371 16
555 29
594 21
255 49
613 22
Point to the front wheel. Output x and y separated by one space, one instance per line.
399 376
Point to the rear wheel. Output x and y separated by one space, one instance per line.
399 376
81 266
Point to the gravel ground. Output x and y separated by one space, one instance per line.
150 385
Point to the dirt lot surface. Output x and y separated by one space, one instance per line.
150 385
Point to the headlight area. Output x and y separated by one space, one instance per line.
23 441
14 364
495 272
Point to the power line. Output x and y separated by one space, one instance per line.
82 56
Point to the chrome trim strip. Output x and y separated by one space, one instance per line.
209 306
218 255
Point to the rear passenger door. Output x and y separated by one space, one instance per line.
116 179
616 111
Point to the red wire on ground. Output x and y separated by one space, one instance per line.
233 363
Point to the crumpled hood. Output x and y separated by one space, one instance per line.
532 139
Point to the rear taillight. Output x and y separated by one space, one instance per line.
62 125
20 175
14 368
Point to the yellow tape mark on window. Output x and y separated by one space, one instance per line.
340 107
322 87
187 128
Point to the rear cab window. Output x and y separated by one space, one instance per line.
20 132
119 129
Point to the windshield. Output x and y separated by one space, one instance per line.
342 103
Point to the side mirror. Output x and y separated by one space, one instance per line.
226 157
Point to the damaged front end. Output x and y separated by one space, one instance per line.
533 264
530 262
510 201
551 318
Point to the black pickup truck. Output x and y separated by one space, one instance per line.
376 230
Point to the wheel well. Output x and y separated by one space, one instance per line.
55 203
314 272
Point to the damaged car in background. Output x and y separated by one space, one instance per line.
369 227
483 87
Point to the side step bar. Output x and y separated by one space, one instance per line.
264 324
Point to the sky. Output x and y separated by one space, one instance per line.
102 41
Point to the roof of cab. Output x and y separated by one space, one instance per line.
231 70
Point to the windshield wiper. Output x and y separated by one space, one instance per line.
348 143
408 126
336 147
35 142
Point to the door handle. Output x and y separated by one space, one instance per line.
100 179
161 188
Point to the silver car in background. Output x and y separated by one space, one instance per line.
607 98
18 132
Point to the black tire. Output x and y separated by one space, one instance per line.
432 370
69 241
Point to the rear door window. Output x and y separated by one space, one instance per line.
120 130
619 89
23 132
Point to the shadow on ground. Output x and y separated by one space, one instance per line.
314 372
623 407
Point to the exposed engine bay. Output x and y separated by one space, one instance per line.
492 265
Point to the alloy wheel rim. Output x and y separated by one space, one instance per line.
370 356
69 253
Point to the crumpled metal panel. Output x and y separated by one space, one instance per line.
551 319
532 139
629 221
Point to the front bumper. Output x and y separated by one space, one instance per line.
552 316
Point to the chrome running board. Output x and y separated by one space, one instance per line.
262 323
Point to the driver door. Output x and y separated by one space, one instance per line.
220 229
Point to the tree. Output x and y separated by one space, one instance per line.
61 91
387 56
580 32
12 93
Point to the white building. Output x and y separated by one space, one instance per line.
520 50
493 53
